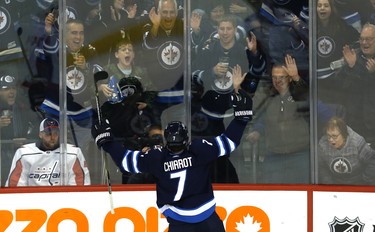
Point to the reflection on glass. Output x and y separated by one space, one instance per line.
253 34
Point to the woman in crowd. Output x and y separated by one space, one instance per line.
344 156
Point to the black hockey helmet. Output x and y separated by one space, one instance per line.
176 136
130 86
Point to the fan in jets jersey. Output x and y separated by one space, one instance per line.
38 164
182 169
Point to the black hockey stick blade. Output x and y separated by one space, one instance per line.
100 75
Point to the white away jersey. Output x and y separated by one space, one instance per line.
34 167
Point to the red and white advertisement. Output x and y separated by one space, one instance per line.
244 211
243 208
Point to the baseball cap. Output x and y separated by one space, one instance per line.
7 81
48 124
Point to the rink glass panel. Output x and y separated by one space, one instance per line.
22 56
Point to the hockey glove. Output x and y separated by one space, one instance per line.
242 106
102 133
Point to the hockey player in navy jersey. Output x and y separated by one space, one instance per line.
183 186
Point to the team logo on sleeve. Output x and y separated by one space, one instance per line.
5 20
326 46
75 80
346 224
170 55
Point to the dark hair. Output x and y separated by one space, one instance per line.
228 18
122 42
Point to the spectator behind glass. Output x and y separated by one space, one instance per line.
333 34
205 21
130 117
240 8
154 139
344 156
38 164
81 63
369 16
17 121
163 44
283 123
289 33
155 135
121 21
124 67
357 78
213 69
355 13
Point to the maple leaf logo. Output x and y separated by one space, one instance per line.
248 225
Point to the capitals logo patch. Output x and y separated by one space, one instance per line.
75 80
326 46
5 20
170 55
346 225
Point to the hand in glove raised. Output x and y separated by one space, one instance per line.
102 133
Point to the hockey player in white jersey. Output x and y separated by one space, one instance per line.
38 164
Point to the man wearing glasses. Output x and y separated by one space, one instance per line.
284 126
358 78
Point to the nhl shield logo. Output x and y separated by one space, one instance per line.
346 225
5 20
75 80
170 55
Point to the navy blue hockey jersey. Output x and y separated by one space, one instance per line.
183 185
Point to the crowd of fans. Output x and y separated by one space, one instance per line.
141 45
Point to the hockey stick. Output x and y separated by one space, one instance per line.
101 75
